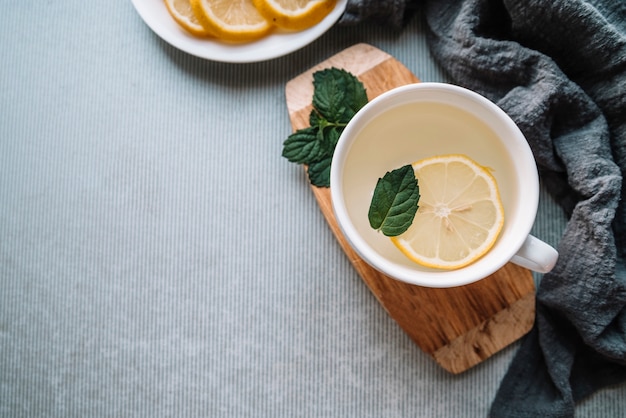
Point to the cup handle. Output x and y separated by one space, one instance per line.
536 255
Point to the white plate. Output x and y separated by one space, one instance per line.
156 16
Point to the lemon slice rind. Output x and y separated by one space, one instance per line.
294 15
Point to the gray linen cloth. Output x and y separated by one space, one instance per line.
558 68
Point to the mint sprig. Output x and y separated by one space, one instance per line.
337 96
395 201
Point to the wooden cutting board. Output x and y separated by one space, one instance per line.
461 326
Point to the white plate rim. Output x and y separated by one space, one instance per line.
155 15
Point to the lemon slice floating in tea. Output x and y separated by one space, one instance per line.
460 214
295 14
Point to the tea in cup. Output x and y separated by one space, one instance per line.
424 120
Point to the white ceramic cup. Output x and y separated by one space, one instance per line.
422 120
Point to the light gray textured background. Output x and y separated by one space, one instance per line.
158 257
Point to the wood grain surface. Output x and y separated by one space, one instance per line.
461 326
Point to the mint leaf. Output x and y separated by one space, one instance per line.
394 202
337 95
328 94
356 95
331 137
319 172
303 146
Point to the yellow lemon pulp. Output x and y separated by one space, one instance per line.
460 213
231 20
184 15
295 14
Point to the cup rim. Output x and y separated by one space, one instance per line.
441 278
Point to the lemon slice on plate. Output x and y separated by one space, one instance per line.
184 15
295 14
460 214
231 20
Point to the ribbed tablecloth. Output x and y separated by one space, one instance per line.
158 256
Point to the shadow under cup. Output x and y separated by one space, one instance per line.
423 120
